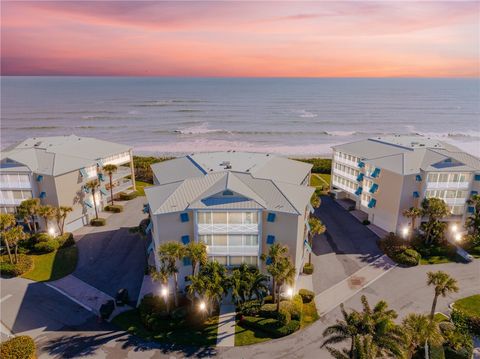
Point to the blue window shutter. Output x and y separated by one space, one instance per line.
477 177
187 261
100 177
361 164
271 217
374 188
418 178
39 178
415 194
86 189
471 209
375 172
83 173
360 177
268 261
359 190
146 208
88 203
184 217
149 228
185 239
473 193
43 194
270 239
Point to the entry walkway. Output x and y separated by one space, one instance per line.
330 298
226 326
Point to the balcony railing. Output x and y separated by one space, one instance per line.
344 187
11 201
233 250
448 185
15 185
344 161
117 161
208 228
345 174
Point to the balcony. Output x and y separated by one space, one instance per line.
233 250
448 185
209 228
349 176
15 185
344 187
344 161
120 160
11 201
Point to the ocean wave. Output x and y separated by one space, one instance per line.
162 103
38 127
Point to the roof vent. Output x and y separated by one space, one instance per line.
37 144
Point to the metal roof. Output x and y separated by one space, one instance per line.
410 154
60 154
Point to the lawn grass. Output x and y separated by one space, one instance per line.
436 260
309 314
247 336
440 317
469 305
326 177
53 266
319 180
186 335
141 187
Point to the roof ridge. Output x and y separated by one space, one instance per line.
283 194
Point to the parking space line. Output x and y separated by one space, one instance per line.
71 298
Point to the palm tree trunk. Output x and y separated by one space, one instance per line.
111 188
63 226
352 347
29 225
175 289
194 266
8 251
16 253
278 299
434 304
95 204
274 288
427 352
33 224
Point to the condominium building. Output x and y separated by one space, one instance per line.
237 203
385 175
56 169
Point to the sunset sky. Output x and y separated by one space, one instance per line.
241 38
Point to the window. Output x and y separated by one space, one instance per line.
185 239
227 193
271 217
207 239
221 259
235 217
477 177
251 217
235 260
187 261
251 240
220 240
235 240
251 260
205 217
184 217
219 217
443 177
270 239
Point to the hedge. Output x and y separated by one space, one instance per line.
46 247
307 295
308 268
65 240
21 347
399 251
114 208
98 222
466 321
25 263
271 326
123 196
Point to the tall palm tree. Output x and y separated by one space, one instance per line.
197 252
443 283
12 236
284 272
419 331
24 215
93 186
247 281
275 254
47 212
31 206
347 329
61 214
7 221
316 228
364 348
170 253
412 213
214 281
472 222
435 209
162 276
110 170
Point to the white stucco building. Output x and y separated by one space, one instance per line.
386 175
237 203
56 169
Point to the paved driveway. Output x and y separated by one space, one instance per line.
346 247
111 257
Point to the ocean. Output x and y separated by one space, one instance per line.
297 117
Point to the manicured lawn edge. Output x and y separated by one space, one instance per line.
469 305
54 265
140 185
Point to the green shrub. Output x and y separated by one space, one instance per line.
268 299
151 304
65 240
289 328
250 308
42 237
408 257
21 347
46 247
320 165
98 222
123 196
25 263
284 316
271 326
268 310
116 208
466 322
179 313
307 295
365 222
308 268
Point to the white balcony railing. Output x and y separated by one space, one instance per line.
15 185
117 161
455 201
233 250
11 201
208 228
344 187
346 162
345 174
448 185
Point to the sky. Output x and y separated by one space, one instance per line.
241 38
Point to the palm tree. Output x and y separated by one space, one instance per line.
162 276
197 252
31 206
443 283
170 253
7 221
316 228
247 281
435 209
61 214
412 213
315 201
280 267
47 212
347 329
24 215
12 236
93 185
473 221
419 330
110 170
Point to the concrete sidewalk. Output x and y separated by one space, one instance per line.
226 326
347 288
84 294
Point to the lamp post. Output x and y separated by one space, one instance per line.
405 232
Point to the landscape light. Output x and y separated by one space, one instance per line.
203 306
51 231
458 237
405 231
454 228
164 291
290 292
